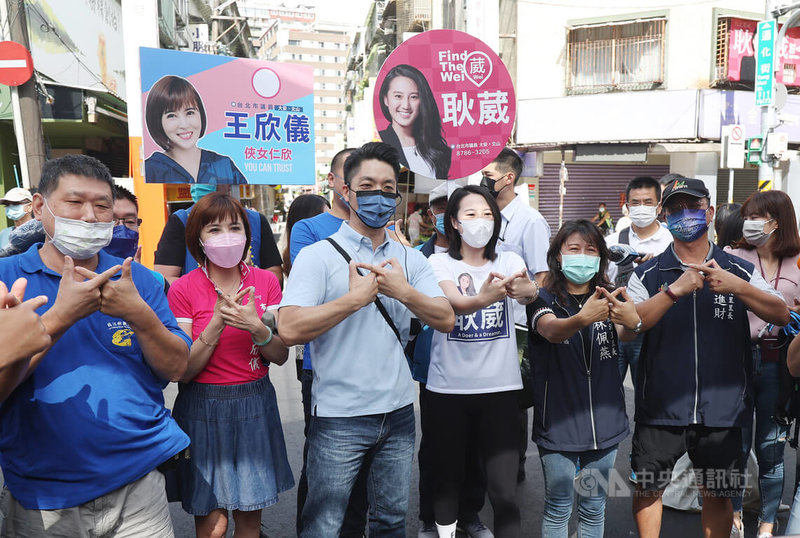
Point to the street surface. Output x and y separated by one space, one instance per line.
278 520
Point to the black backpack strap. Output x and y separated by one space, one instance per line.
378 303
625 236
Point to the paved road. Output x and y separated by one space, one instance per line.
278 520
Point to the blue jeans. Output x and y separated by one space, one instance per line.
793 526
560 487
770 440
629 355
338 447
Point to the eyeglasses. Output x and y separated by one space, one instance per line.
637 203
129 222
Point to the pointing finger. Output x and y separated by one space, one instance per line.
103 277
241 294
18 288
68 270
36 302
126 268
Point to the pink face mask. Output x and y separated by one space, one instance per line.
225 250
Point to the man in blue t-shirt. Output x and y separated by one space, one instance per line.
84 428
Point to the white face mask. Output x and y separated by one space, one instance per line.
753 232
78 239
642 216
477 232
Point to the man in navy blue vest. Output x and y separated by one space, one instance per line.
172 258
692 391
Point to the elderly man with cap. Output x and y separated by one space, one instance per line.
693 386
18 209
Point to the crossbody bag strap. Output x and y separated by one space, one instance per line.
378 303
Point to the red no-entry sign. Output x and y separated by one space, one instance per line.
16 64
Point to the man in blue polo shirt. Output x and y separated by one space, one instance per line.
363 394
83 432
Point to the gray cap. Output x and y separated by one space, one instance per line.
16 195
442 190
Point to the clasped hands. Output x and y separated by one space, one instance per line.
614 305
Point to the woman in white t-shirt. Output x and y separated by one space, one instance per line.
474 374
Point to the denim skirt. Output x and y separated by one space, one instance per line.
238 455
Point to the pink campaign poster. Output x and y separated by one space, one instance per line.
446 102
226 120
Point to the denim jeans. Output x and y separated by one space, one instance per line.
560 487
629 355
793 526
338 448
770 439
355 518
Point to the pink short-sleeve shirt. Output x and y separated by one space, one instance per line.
235 359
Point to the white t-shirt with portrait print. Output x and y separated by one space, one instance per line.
479 355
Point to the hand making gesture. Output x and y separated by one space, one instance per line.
236 313
390 278
622 312
494 288
23 330
365 287
118 298
719 280
522 288
79 293
595 308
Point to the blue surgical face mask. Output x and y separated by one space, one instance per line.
687 224
579 268
375 207
198 190
124 242
15 212
440 223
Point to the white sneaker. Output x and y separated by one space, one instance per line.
476 529
737 532
428 530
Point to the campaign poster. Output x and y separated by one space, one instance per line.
446 102
225 120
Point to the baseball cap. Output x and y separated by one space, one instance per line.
443 190
685 185
16 196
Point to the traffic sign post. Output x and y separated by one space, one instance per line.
732 155
765 51
16 64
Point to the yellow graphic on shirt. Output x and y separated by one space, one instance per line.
122 338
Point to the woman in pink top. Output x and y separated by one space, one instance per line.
226 402
770 242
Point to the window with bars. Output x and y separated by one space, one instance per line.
616 57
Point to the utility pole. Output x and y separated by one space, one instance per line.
25 101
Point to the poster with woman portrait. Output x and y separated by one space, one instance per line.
446 102
224 120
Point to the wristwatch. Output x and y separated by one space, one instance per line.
638 328
670 294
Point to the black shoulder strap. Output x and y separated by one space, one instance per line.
378 303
